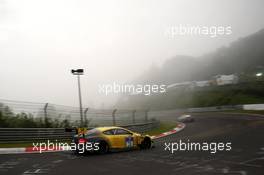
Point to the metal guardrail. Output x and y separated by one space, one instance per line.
215 108
16 135
31 134
172 114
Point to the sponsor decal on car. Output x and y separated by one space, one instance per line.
129 142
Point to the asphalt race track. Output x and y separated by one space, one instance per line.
246 133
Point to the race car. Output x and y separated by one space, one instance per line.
105 139
186 118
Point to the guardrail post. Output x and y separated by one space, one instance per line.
113 115
46 114
85 117
146 115
133 116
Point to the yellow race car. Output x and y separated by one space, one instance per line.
105 139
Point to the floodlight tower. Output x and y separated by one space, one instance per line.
79 72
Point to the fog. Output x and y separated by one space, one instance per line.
41 41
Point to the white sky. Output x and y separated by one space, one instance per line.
42 40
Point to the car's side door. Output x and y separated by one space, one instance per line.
125 138
111 138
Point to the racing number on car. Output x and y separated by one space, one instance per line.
129 142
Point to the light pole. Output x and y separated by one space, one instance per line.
79 72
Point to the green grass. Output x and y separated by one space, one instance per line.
164 127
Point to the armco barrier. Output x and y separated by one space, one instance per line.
253 107
227 108
8 135
170 115
12 135
215 108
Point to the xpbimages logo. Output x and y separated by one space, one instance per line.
212 147
51 146
131 89
184 30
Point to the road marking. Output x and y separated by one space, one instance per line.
243 172
252 160
36 171
173 163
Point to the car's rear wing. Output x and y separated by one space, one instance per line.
78 131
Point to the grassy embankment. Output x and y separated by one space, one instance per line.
164 127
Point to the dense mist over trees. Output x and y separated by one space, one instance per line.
242 56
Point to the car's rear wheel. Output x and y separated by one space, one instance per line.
103 147
146 143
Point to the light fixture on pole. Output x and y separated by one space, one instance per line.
259 74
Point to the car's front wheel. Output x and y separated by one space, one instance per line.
146 143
